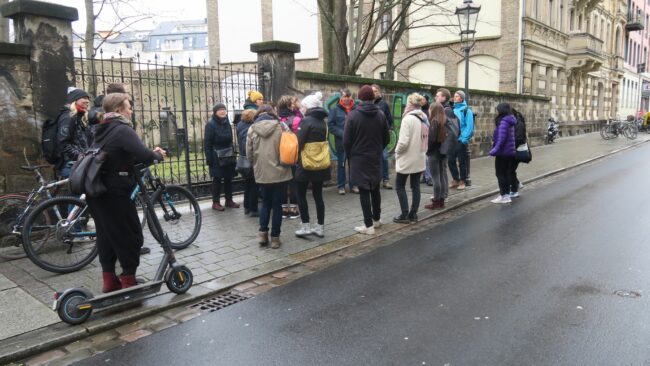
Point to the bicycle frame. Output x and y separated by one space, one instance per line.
31 198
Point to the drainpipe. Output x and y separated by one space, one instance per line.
520 49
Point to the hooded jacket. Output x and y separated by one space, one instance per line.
336 123
124 150
365 137
263 150
312 129
412 144
466 118
504 137
248 104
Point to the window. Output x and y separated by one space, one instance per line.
572 17
382 75
206 41
551 10
386 21
190 42
561 26
535 8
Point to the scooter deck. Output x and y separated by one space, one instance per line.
121 297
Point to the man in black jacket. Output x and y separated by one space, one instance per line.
73 135
365 137
383 106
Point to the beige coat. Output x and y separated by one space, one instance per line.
263 150
410 154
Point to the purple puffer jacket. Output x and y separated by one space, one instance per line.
504 137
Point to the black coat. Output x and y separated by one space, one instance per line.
217 136
312 128
365 137
383 106
124 150
73 136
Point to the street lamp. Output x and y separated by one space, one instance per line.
467 16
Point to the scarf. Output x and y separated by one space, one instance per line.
114 116
347 106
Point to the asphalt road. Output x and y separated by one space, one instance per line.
530 283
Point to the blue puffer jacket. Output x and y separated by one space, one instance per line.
504 137
336 124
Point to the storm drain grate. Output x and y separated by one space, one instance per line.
625 293
219 302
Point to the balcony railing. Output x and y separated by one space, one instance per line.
634 23
585 43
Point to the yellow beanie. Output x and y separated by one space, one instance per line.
254 95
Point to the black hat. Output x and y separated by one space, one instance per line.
77 94
219 106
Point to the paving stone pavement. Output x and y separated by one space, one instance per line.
227 242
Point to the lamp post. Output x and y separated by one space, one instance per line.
467 16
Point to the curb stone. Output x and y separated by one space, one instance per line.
45 339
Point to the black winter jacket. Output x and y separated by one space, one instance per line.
124 150
312 128
217 136
383 106
366 135
73 136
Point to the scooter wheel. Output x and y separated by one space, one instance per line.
179 279
69 311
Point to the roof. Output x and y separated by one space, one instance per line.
180 27
131 36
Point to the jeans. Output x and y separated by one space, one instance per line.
426 176
216 189
514 181
438 167
385 164
400 188
317 191
458 172
340 172
370 205
273 194
64 172
250 195
504 169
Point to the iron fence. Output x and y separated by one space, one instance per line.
172 104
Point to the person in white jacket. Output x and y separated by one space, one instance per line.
410 156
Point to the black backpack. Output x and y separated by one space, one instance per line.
49 144
520 128
85 174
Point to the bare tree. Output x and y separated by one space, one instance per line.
352 30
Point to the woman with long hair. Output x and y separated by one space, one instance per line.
437 158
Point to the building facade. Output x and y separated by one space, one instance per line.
632 100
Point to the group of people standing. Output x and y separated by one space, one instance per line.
430 137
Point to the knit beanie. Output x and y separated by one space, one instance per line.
313 101
254 95
77 94
219 106
366 93
461 93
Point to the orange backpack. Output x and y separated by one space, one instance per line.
288 146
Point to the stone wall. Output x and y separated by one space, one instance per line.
483 103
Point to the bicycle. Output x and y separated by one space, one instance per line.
14 209
615 128
66 243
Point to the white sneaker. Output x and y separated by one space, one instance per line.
303 231
514 194
377 224
502 199
365 230
317 230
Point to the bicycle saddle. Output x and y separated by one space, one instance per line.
31 168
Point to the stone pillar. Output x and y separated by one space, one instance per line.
267 20
277 67
47 28
4 26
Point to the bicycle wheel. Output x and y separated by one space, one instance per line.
11 206
631 132
67 241
179 215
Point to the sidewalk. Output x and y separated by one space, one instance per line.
226 251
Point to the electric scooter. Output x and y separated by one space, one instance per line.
75 305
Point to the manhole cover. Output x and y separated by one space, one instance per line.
624 293
219 302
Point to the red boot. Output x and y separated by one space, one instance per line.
217 206
231 204
111 282
128 281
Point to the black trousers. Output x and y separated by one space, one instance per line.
400 188
504 168
119 233
370 205
251 194
317 192
216 188
514 181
